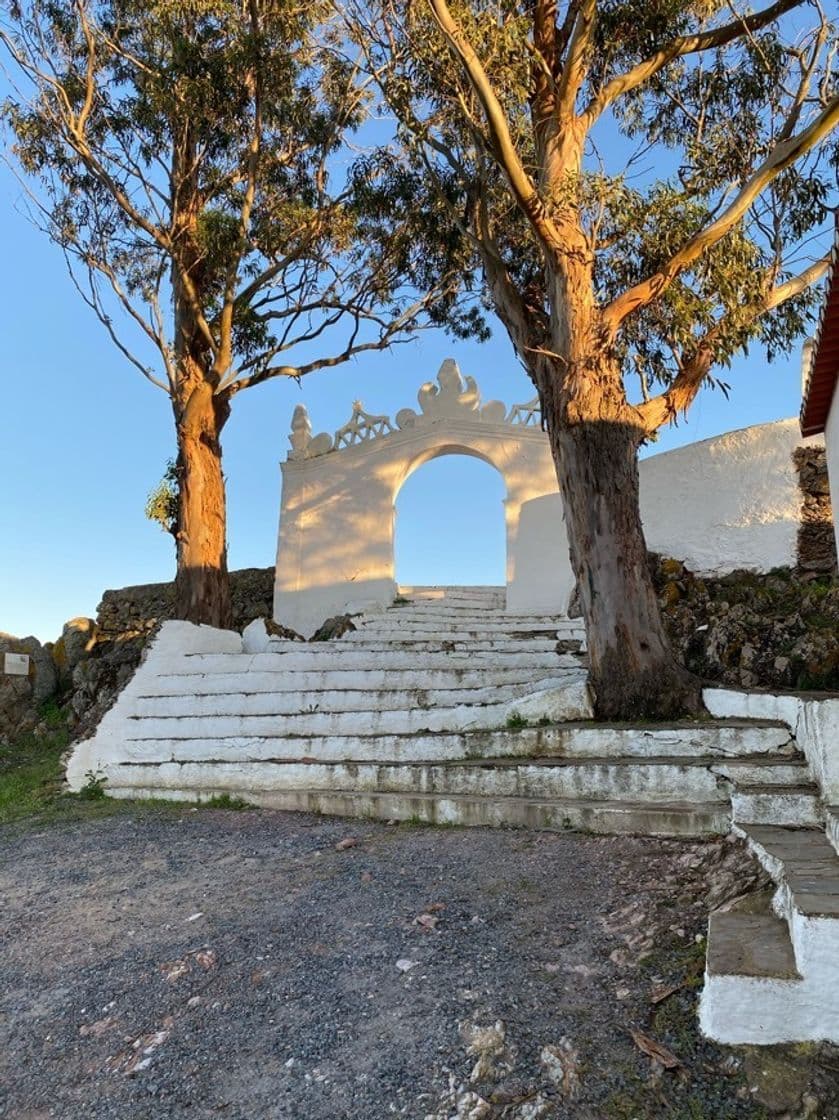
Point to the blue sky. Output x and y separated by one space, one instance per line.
83 438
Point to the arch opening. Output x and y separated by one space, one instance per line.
449 522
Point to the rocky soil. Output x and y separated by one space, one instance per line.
779 630
199 963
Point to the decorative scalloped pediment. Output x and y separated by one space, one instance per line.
453 397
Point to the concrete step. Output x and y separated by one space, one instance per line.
750 977
805 866
831 826
740 1005
406 721
280 679
325 655
665 819
386 644
446 614
292 702
475 628
647 781
750 941
452 592
568 740
794 805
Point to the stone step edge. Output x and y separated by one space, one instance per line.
525 731
788 899
479 811
500 762
831 826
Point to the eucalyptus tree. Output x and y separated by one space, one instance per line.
192 159
641 187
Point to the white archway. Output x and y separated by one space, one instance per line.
335 548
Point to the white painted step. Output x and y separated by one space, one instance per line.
278 679
831 826
665 819
386 644
479 628
407 721
798 805
647 781
452 593
293 702
445 613
726 743
740 1007
324 655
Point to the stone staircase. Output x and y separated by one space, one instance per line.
443 708
772 966
447 709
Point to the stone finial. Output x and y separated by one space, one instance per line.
301 432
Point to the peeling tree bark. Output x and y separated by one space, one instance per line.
633 671
595 435
202 587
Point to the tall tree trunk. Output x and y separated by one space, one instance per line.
202 585
633 671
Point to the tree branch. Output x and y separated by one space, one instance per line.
504 149
676 48
781 157
666 406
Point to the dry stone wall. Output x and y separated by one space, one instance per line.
138 609
816 537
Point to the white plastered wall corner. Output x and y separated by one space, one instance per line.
335 550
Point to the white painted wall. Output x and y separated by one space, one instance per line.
717 505
728 502
831 440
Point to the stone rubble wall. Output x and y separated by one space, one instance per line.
776 630
816 537
139 609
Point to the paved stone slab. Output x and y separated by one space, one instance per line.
751 945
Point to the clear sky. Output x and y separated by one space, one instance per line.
83 438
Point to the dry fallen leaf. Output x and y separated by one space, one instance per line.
655 1050
95 1030
174 970
661 992
347 842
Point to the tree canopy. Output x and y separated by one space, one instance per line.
689 144
202 145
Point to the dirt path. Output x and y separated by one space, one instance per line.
228 964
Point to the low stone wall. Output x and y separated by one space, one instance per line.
137 610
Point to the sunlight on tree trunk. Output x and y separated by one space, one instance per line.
202 587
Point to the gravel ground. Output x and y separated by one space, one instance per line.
214 963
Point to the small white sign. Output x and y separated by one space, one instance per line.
17 664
